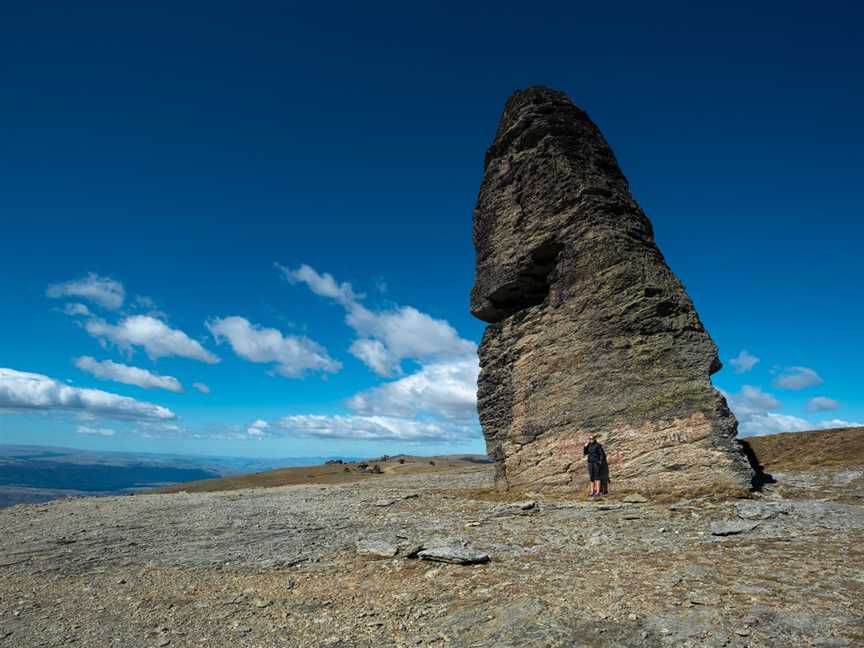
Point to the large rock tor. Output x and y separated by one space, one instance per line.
589 330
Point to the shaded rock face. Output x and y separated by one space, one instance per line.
589 330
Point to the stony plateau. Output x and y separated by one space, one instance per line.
589 330
324 566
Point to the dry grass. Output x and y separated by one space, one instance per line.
325 474
836 449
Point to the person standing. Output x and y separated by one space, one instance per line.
596 460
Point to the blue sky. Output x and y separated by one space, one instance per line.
288 190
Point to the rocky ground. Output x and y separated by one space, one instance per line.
330 566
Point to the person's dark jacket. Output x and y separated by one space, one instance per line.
595 453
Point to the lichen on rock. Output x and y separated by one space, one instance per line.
589 330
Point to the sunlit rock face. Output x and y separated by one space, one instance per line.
589 330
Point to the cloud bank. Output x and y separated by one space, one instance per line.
109 370
797 378
447 389
822 404
744 362
21 390
104 291
385 338
150 333
292 355
372 428
754 410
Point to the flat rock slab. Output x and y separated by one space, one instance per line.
454 555
732 527
376 549
635 498
527 507
760 510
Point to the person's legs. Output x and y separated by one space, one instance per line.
594 476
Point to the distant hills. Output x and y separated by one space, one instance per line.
41 473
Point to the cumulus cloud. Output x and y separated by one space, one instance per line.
389 337
772 423
753 409
292 354
796 378
156 338
839 423
76 310
321 284
447 389
104 291
386 338
744 362
822 404
257 428
373 428
436 402
98 431
21 390
751 400
201 387
109 370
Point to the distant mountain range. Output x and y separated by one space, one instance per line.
41 473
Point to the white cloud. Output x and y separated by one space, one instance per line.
386 338
797 378
772 423
104 291
389 337
744 362
86 429
751 400
109 370
752 408
76 310
373 428
257 428
152 334
447 388
21 390
201 387
437 402
822 404
321 284
292 354
839 423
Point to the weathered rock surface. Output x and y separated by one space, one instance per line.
590 331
